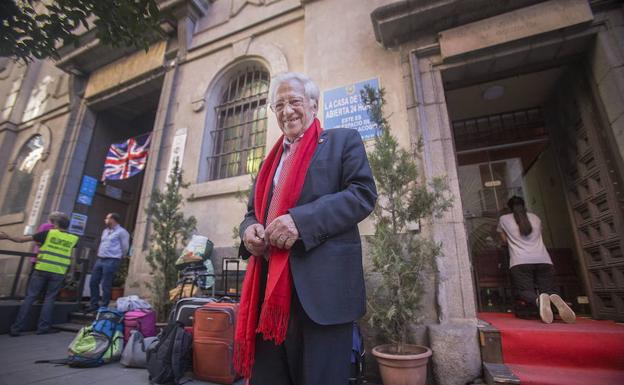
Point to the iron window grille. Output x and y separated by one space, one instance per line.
240 134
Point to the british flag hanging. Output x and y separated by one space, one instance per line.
126 159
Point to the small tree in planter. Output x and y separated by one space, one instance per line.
119 280
399 257
171 229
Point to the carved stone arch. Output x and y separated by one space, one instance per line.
46 133
39 129
213 97
222 77
245 50
271 54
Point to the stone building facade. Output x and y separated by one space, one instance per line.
509 97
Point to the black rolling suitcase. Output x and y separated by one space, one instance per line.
185 309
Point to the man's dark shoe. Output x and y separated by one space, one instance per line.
49 331
14 333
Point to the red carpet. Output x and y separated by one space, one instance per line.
588 352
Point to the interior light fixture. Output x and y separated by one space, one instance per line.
493 92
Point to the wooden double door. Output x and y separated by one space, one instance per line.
592 173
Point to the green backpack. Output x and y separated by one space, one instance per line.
96 344
92 348
100 342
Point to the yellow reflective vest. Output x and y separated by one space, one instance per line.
55 253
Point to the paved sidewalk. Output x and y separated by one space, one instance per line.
17 367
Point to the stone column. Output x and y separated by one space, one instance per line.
156 165
606 65
456 355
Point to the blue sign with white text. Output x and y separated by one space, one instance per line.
87 190
343 107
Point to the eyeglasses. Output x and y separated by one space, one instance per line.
281 104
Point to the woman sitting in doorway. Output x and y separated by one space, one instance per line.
530 265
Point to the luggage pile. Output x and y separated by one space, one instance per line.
200 330
199 334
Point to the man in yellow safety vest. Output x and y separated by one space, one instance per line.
53 261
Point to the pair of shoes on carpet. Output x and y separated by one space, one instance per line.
14 333
545 310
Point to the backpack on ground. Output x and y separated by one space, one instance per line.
169 357
135 352
98 343
143 320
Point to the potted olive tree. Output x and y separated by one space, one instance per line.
400 255
119 280
171 229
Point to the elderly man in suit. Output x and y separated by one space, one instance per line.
304 285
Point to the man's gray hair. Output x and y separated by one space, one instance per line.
59 218
311 89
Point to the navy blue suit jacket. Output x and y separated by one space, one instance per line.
326 262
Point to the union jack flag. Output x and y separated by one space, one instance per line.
126 159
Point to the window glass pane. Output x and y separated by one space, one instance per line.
22 176
241 125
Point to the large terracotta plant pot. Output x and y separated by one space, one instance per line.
67 294
116 292
409 368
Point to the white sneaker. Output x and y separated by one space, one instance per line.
545 311
566 314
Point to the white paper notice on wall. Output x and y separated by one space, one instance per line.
40 194
177 149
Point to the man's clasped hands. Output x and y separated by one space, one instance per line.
281 233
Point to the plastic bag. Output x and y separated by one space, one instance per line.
132 302
207 281
198 249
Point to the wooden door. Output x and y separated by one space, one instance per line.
593 189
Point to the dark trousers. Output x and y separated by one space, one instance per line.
103 272
530 280
312 354
40 281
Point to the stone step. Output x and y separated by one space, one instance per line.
499 374
68 327
81 317
495 372
490 343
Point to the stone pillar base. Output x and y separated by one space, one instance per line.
456 356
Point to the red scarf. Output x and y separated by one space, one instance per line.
274 315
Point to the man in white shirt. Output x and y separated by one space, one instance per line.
114 245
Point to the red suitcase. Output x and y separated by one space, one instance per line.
213 342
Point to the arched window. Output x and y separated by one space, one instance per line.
21 182
241 123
